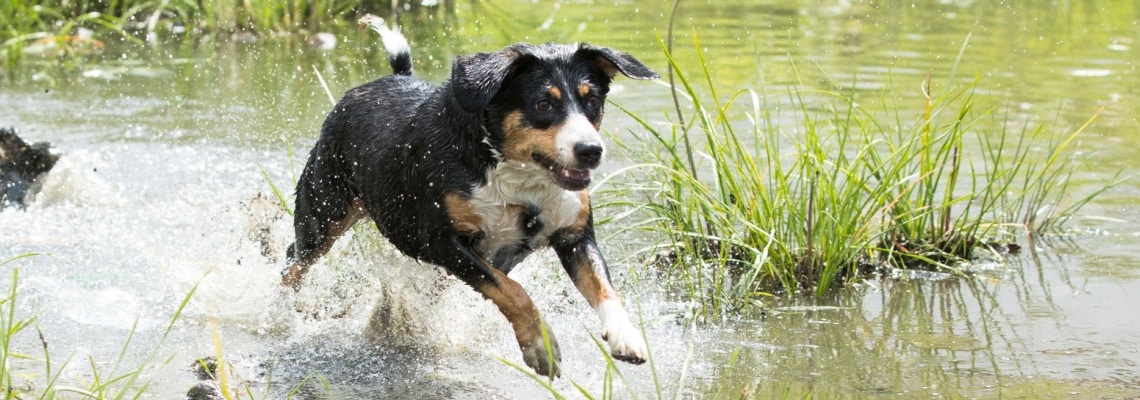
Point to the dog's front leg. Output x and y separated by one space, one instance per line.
586 267
515 304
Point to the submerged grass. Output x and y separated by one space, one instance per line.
845 192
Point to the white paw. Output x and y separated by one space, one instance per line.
625 341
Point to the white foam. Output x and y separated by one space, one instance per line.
75 180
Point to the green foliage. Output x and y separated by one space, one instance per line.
67 33
844 192
147 16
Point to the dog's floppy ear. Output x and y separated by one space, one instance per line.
475 79
612 61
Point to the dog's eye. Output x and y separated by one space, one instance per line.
544 105
593 101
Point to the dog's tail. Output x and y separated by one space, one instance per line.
399 53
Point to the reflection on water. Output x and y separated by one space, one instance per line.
1031 333
161 188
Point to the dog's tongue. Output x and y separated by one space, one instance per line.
571 179
578 175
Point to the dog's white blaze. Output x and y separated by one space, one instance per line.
577 129
513 183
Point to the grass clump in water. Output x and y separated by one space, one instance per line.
760 207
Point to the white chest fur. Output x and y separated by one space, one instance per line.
521 205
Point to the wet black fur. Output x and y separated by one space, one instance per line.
401 144
21 166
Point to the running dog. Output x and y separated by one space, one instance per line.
475 175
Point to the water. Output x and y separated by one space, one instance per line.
162 189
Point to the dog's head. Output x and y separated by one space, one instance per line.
542 105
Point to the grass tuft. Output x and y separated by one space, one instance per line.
845 192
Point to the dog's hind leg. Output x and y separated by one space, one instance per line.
306 251
325 210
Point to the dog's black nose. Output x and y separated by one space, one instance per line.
588 154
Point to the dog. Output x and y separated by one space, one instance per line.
474 175
21 167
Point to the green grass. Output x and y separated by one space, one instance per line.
112 380
760 207
146 17
24 374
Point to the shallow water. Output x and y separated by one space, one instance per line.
162 189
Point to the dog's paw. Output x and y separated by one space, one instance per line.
537 357
292 275
626 343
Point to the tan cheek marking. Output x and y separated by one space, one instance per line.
514 135
463 216
556 92
519 141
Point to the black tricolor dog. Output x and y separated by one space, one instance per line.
21 166
475 175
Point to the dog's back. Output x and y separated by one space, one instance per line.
394 135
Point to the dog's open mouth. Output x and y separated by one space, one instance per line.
567 178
